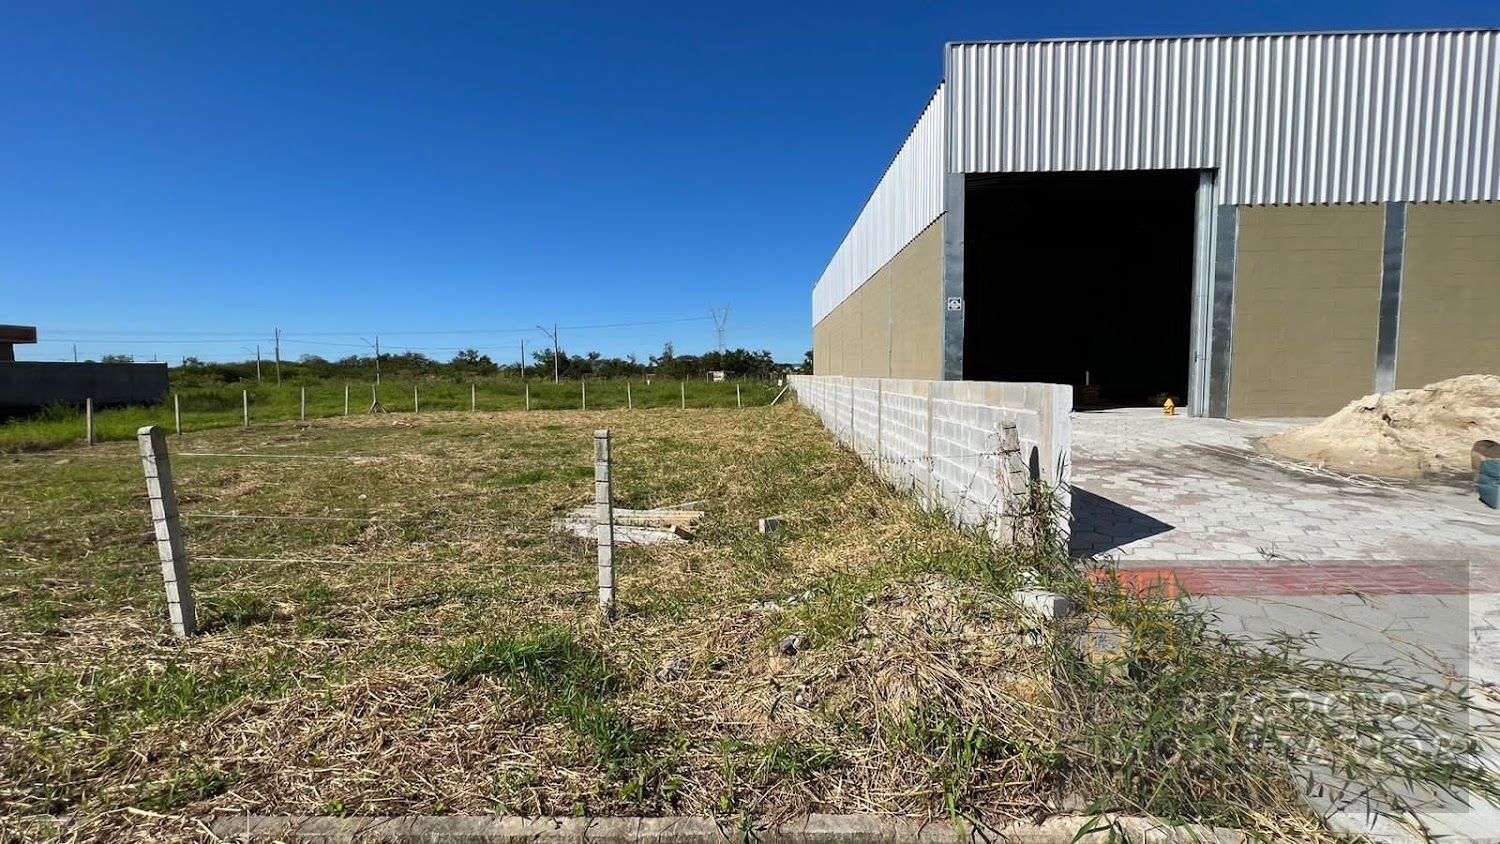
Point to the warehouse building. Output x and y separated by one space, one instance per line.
1265 225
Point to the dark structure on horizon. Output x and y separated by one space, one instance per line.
31 385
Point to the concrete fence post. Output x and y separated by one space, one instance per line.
737 403
682 388
164 517
629 400
88 421
583 392
604 523
346 399
931 463
528 395
416 401
1012 482
473 398
177 412
302 408
245 400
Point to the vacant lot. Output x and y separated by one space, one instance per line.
419 640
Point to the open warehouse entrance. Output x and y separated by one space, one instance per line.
1082 279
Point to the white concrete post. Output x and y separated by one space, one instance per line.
302 410
346 399
604 523
88 420
528 395
473 398
583 391
245 398
629 401
682 385
416 401
737 402
164 517
177 412
930 463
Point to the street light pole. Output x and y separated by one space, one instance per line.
376 346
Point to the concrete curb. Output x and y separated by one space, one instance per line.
813 829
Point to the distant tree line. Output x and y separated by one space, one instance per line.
471 363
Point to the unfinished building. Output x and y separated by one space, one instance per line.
1263 225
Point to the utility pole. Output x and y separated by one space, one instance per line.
721 316
257 363
555 351
75 352
278 357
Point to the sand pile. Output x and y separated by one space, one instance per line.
1402 434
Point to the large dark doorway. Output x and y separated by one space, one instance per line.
1082 279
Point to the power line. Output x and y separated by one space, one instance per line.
107 335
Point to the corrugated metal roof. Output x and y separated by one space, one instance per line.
1286 119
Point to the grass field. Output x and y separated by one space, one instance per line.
420 640
206 407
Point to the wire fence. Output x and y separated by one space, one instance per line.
434 545
194 409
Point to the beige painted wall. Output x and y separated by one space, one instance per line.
892 326
1450 293
1306 308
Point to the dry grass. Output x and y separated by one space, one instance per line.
445 655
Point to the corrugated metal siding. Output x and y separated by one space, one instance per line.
1287 119
906 201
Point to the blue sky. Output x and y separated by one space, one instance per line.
181 178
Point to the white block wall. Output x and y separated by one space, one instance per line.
940 439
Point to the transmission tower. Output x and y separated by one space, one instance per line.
721 316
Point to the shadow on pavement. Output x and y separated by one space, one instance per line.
1101 525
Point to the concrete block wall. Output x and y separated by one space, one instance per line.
941 439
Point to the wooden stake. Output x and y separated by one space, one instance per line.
164 517
604 523
88 420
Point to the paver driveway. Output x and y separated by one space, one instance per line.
1150 488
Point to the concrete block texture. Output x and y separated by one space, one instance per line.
941 439
892 325
1450 293
812 829
1306 308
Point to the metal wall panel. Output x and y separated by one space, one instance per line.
908 198
1287 119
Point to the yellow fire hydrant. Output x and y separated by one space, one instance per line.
1170 408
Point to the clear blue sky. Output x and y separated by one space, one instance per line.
342 169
